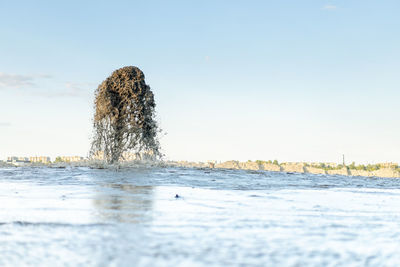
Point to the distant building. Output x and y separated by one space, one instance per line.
40 159
11 159
18 161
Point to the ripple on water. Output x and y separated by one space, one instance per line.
81 216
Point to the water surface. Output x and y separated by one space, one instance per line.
81 216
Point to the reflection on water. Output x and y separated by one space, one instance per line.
124 203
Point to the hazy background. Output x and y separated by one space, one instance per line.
287 80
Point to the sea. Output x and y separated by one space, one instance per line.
167 216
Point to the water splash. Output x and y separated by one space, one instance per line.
124 121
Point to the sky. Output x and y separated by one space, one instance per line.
233 80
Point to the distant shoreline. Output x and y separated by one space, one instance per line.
383 170
376 170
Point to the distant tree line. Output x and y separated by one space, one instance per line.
327 167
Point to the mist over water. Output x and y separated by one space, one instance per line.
131 217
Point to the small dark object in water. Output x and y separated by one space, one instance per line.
177 196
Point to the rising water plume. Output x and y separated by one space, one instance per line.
124 121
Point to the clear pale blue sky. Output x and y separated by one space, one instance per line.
287 80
